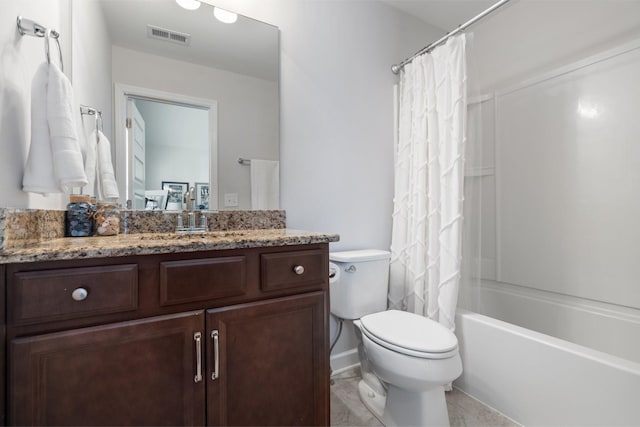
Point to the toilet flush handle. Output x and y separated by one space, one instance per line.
351 269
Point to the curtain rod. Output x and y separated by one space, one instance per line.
395 69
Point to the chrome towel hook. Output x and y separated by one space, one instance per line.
49 34
90 111
32 28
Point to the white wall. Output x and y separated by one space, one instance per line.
336 124
91 75
20 57
91 72
247 121
336 148
336 134
337 112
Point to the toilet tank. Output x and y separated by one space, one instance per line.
361 287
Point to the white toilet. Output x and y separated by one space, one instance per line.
406 359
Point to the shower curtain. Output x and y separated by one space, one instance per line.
429 177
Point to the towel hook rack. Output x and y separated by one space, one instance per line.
29 27
90 111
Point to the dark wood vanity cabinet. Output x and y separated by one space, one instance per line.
132 373
270 368
201 338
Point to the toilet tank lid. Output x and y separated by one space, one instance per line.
359 255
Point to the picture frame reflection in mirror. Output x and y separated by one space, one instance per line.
202 195
155 200
175 193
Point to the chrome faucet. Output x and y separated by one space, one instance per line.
192 229
189 198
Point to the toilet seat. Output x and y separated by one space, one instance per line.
410 334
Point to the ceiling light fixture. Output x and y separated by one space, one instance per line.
189 4
224 15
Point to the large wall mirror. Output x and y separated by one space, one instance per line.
188 101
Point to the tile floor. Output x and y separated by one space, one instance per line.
348 410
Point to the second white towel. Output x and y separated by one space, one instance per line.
265 184
99 168
107 186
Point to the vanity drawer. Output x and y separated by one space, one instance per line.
285 270
202 279
69 293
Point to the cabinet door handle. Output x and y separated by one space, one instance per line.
198 339
216 355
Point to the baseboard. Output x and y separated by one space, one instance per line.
515 423
341 362
345 369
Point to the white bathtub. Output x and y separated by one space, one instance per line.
536 379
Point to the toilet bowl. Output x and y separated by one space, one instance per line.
415 357
406 359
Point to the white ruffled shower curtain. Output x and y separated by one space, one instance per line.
429 176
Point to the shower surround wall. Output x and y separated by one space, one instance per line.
559 236
565 162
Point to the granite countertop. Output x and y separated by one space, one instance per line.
158 243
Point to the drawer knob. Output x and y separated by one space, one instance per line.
299 270
79 294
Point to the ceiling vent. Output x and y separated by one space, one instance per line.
168 35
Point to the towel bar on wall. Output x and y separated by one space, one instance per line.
32 28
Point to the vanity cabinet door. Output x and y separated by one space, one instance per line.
131 373
268 363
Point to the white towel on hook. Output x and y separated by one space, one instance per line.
107 185
54 163
265 184
99 168
38 174
68 165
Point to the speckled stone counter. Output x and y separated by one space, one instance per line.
165 221
30 235
20 227
157 243
25 227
